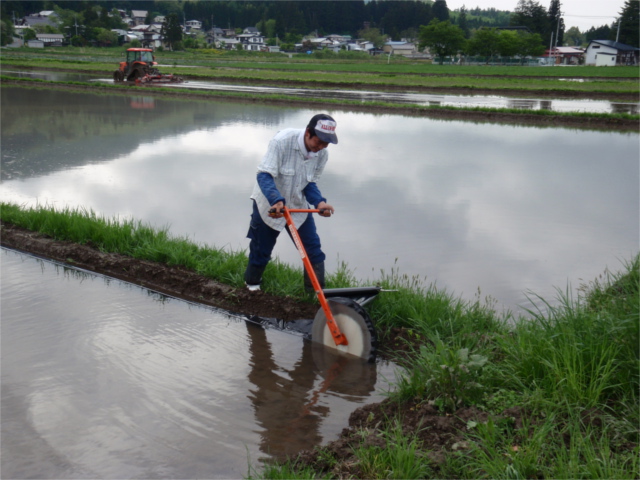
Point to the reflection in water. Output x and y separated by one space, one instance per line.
131 384
527 104
468 206
631 108
279 399
288 403
143 102
522 103
594 106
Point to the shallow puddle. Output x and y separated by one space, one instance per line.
104 379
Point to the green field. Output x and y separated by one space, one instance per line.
377 73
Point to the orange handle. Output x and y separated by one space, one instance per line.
338 336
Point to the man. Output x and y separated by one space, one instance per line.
287 176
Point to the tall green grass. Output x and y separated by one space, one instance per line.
128 237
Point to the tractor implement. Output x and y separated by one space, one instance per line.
158 78
139 67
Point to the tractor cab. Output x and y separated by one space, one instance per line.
143 55
138 63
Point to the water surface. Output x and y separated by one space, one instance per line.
506 209
103 379
459 101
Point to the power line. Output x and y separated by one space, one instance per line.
590 16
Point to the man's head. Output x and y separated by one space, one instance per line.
323 127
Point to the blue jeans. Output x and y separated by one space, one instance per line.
263 239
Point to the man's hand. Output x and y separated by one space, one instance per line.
326 210
278 210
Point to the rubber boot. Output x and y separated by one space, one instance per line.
318 268
253 276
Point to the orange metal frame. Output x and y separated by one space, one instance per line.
338 336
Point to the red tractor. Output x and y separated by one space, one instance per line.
140 67
139 62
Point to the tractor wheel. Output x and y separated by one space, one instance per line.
118 76
134 75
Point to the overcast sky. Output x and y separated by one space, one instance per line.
583 14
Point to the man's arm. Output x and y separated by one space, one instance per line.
312 194
315 198
268 186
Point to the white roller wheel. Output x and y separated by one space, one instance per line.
355 325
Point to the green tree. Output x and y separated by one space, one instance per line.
6 32
28 34
462 22
106 38
77 41
531 45
191 42
440 10
485 43
556 22
573 37
171 30
629 23
374 36
442 38
509 43
605 32
531 14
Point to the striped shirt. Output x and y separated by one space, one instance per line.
292 169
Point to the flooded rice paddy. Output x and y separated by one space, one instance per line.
459 101
103 379
507 210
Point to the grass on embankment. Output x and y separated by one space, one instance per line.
342 62
619 121
367 73
572 368
570 372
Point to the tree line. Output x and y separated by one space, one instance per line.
290 20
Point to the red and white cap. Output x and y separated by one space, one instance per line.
325 129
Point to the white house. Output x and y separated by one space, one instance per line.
138 16
193 25
400 48
50 39
610 53
251 42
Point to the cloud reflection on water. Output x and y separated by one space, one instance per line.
467 205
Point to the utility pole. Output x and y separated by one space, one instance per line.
618 34
551 49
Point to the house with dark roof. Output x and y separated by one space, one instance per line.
46 17
610 53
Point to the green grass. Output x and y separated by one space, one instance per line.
571 367
336 63
367 71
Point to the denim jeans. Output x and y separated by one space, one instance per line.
263 239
